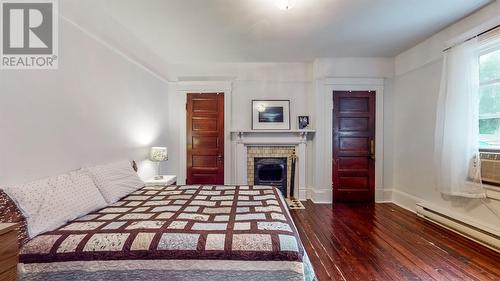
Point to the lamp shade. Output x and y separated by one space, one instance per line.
158 154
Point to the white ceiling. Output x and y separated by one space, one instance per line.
186 31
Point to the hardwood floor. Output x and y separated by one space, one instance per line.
386 242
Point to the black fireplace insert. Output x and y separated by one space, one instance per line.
271 171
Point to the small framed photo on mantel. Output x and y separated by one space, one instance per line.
303 122
270 115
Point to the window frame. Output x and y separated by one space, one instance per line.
492 189
489 48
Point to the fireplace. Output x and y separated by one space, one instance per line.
271 171
280 144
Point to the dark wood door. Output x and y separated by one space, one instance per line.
205 138
353 146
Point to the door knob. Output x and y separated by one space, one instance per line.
220 157
372 149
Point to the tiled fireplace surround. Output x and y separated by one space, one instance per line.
247 145
269 151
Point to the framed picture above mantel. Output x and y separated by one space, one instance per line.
271 115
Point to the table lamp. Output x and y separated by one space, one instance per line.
158 154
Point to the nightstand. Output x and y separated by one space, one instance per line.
166 180
8 252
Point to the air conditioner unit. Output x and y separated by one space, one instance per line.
490 167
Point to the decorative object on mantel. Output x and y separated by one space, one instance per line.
158 154
270 114
303 122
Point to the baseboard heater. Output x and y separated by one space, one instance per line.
484 235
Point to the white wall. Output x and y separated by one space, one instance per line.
254 81
418 74
294 81
353 69
98 107
247 81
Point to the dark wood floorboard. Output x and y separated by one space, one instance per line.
386 242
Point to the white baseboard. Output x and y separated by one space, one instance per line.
303 194
402 199
487 235
383 196
460 224
446 218
405 200
320 196
324 195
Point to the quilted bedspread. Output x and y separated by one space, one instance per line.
160 223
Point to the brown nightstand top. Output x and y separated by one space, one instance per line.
6 227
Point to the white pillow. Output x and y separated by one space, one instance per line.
52 202
115 180
81 194
29 197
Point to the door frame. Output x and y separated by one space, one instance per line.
184 88
323 171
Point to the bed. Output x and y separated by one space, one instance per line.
175 233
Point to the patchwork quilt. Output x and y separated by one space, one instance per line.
199 226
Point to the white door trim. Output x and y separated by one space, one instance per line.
183 88
323 171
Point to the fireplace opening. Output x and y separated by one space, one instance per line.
271 171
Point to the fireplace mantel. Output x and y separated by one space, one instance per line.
307 131
280 137
242 139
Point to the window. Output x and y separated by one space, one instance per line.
489 100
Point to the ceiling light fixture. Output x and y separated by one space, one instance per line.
285 5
